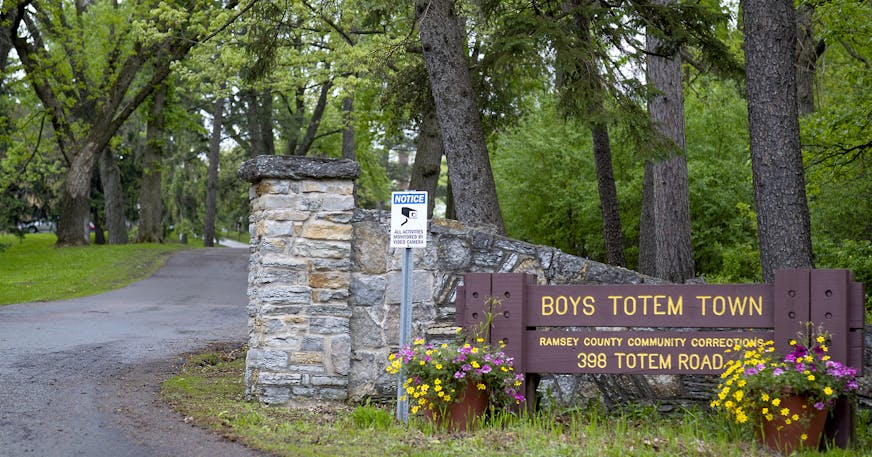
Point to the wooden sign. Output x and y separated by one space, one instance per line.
663 329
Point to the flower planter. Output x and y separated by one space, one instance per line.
464 413
780 436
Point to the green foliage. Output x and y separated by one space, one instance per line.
367 416
854 255
546 182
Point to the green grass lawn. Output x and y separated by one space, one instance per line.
210 391
33 269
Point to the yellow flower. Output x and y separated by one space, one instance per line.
803 437
475 364
795 417
481 386
418 341
785 411
765 397
776 401
447 398
828 390
765 410
479 340
438 366
792 342
811 377
738 395
820 339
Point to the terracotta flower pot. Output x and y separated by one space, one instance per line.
780 436
472 403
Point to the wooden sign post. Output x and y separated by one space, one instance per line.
676 328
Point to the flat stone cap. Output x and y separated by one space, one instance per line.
297 167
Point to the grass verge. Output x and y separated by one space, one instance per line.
209 391
33 269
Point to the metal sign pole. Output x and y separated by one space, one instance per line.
405 331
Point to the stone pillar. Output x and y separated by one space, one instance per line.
299 275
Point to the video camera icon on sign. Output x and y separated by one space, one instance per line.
409 213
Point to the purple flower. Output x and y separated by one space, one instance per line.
466 367
485 369
777 372
819 406
459 375
751 371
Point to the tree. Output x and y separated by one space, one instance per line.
428 156
580 81
669 187
88 97
212 177
784 232
443 42
150 196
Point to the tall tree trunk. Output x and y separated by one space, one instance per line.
150 199
75 204
265 117
252 118
348 150
428 157
110 178
605 179
212 178
259 118
674 248
348 147
443 43
783 226
647 238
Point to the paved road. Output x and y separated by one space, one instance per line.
79 377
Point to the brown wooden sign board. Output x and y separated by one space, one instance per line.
733 306
633 352
631 329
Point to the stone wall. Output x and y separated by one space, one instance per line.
325 290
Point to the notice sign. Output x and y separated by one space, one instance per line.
409 219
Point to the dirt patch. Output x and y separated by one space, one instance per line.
134 396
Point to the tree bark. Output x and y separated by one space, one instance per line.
75 204
428 157
259 118
674 247
150 199
348 150
783 226
647 238
443 43
113 195
605 179
212 178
